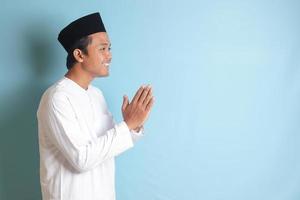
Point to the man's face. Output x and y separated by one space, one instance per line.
97 61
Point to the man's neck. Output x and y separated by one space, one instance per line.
80 77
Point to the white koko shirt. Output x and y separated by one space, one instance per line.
78 140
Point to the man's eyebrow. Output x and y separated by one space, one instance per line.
109 44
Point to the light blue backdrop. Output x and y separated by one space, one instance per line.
226 77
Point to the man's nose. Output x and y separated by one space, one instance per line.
109 55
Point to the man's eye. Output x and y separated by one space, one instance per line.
103 49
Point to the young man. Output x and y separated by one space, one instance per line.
78 138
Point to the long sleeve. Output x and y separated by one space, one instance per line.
134 134
82 153
137 135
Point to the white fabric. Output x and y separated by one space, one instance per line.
78 140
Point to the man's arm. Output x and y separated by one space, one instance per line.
82 153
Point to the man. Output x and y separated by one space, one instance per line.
78 138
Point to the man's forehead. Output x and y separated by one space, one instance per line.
100 38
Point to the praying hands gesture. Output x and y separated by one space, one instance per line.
137 111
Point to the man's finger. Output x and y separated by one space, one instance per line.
125 102
137 94
150 104
144 94
148 97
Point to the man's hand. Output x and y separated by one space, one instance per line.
137 111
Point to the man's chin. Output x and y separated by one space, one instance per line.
103 75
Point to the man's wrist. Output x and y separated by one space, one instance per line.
138 128
128 125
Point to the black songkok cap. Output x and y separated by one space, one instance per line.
79 28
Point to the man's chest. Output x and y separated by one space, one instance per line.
92 115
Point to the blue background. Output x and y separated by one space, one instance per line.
226 77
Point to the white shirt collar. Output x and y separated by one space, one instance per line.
76 86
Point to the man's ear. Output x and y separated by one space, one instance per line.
78 55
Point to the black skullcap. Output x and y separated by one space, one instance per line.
79 28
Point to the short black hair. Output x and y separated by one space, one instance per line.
81 44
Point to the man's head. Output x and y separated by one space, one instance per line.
87 44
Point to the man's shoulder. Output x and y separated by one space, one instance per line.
52 94
58 90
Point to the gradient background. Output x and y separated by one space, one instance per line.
226 77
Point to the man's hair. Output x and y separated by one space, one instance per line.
81 44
